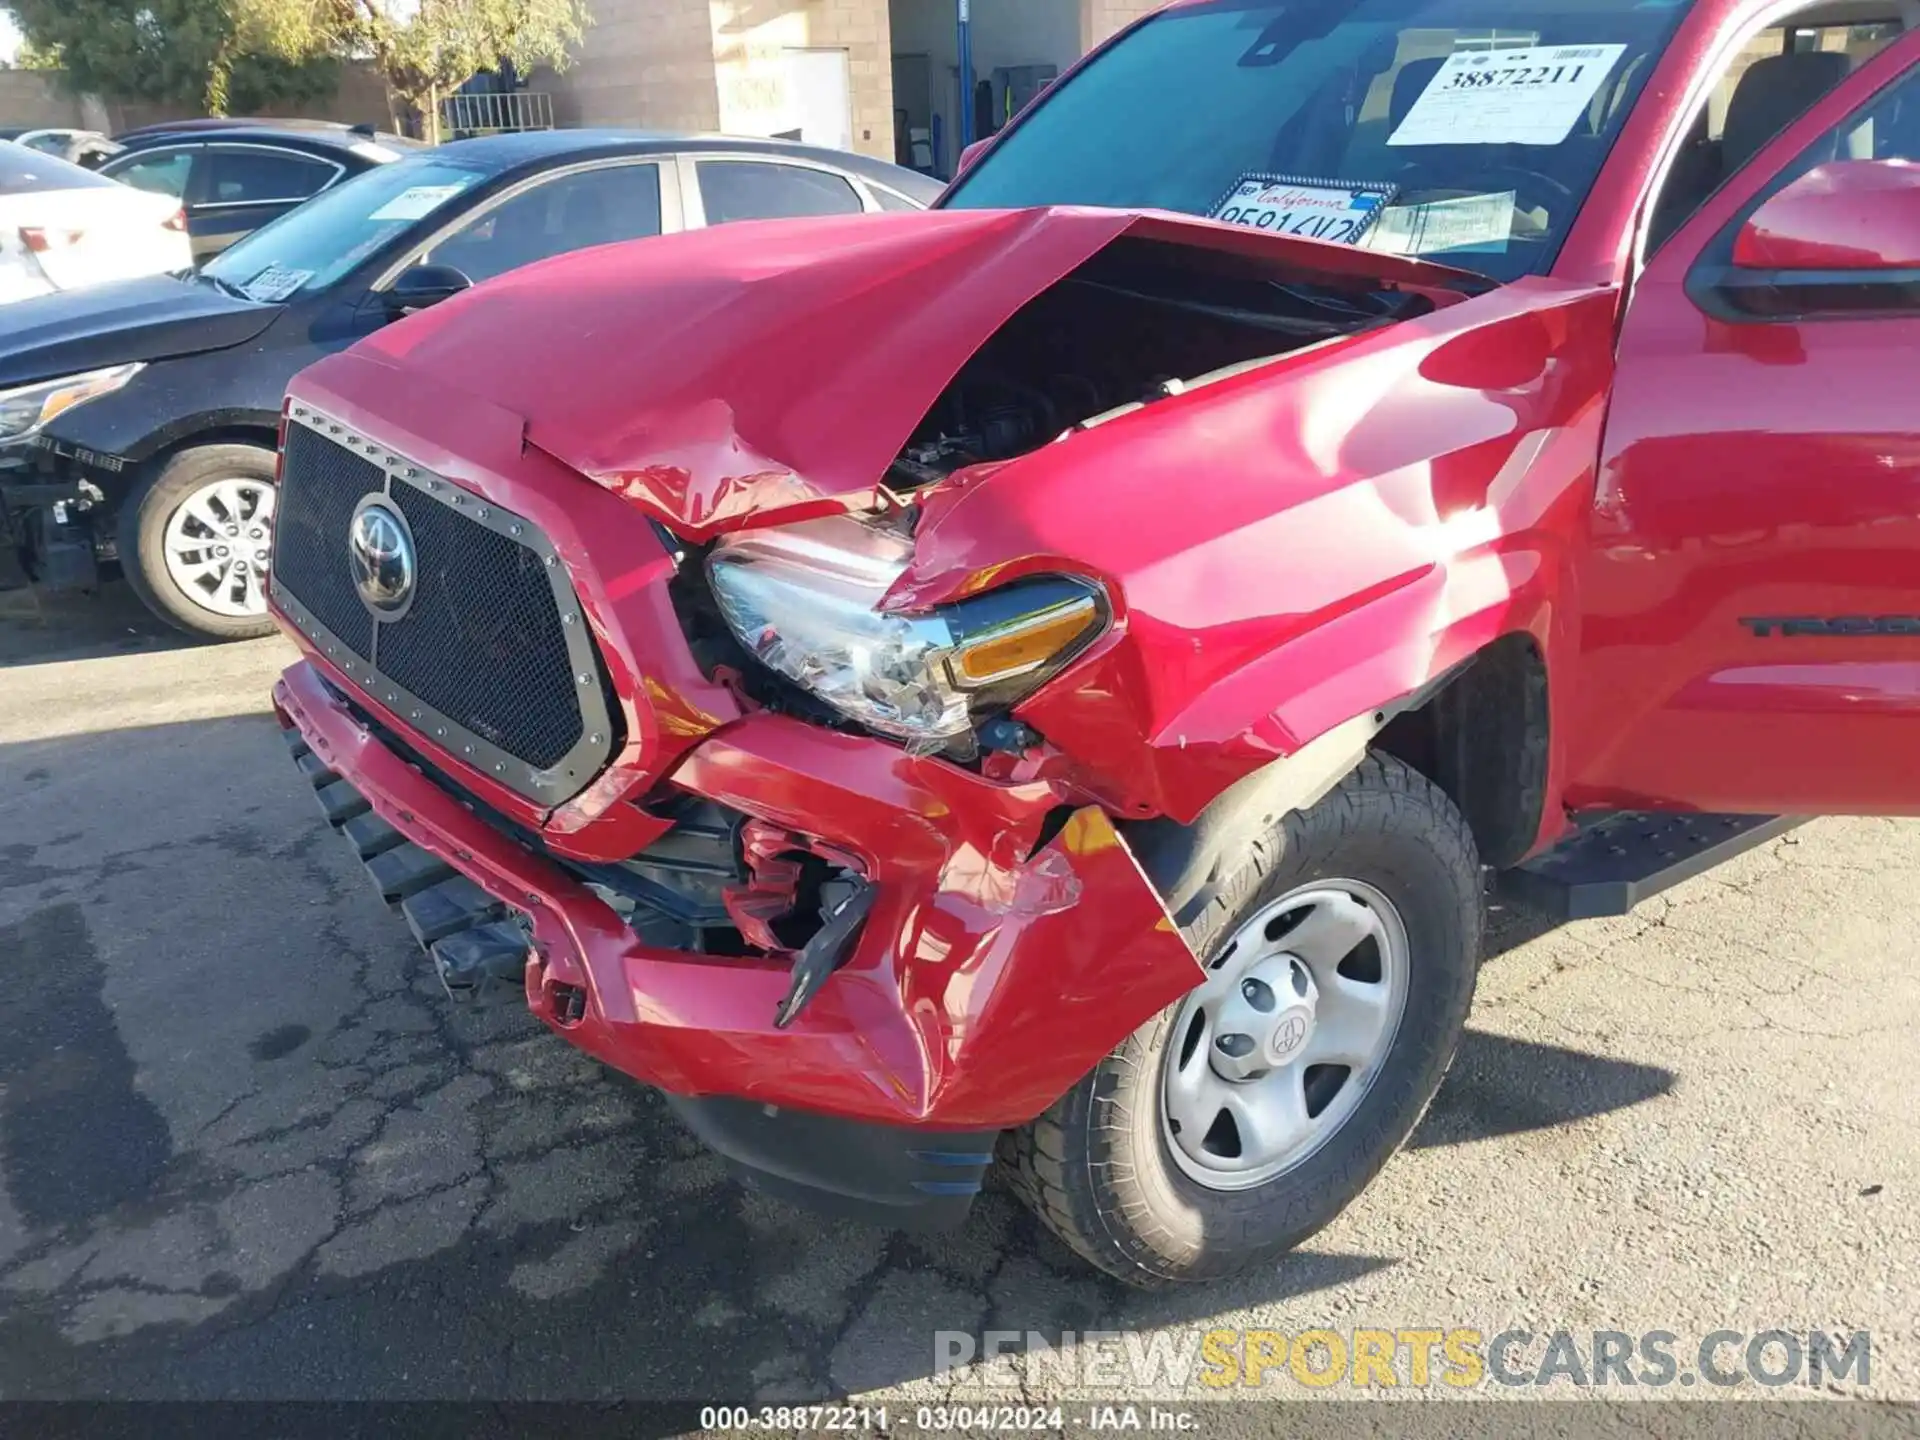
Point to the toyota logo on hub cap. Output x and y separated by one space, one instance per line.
380 550
1288 1036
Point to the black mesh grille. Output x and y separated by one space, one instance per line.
320 484
483 643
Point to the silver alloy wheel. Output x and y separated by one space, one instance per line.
1277 1048
218 546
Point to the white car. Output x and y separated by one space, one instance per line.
62 227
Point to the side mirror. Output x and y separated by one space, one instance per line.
419 286
972 153
1851 215
1843 238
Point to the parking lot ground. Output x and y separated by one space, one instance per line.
249 1151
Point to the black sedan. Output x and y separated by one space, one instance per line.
233 178
137 420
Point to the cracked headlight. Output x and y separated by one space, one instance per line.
25 409
804 601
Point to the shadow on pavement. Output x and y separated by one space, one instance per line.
250 1151
1500 1086
37 628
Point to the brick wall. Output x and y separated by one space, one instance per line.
30 97
34 97
1101 18
750 41
643 63
719 65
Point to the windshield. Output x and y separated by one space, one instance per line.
315 244
1465 130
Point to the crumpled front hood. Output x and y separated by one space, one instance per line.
777 368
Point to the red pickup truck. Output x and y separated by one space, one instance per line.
1047 678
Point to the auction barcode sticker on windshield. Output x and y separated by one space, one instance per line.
416 203
1531 96
1337 210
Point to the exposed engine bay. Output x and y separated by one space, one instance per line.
1141 321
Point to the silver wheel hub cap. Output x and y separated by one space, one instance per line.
1281 1042
218 546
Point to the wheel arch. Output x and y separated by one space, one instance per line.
1480 732
224 428
1485 739
156 450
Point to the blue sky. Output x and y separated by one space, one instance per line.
9 37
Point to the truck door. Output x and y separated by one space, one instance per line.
1750 630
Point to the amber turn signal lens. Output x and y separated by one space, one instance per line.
1022 646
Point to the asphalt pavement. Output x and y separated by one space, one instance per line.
247 1150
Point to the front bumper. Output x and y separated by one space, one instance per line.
1005 954
47 513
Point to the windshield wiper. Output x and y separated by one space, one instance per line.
225 287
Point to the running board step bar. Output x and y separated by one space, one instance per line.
478 946
1614 862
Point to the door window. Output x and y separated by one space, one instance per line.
589 207
164 172
246 175
758 190
893 200
1886 128
1771 83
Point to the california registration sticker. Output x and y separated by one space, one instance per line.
1338 211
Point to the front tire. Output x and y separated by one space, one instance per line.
1229 1128
195 540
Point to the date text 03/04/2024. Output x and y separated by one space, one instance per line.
942 1419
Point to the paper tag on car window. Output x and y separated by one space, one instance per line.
1473 224
416 203
1334 210
275 283
1532 96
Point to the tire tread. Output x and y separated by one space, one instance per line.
1095 1209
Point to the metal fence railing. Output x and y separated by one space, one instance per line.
463 115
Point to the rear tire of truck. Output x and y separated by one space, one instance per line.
1341 958
194 540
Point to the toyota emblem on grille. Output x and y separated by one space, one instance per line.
380 550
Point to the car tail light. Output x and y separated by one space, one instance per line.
176 222
40 241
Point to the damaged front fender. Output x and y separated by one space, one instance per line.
1298 544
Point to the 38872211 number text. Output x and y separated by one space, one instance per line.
793 1419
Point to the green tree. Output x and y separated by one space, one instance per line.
426 49
32 57
223 55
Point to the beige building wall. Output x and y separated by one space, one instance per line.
643 63
751 39
719 65
1101 18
